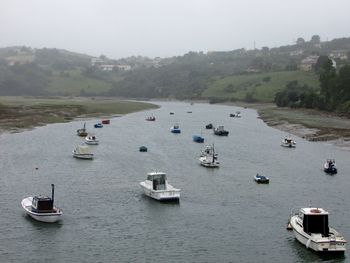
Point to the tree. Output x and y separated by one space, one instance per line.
321 62
300 41
315 39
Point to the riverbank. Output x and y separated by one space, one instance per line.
23 113
312 125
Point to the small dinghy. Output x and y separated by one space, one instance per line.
175 129
197 138
83 152
330 167
209 126
261 179
151 118
219 130
105 121
157 187
91 140
143 148
98 125
41 208
288 142
310 227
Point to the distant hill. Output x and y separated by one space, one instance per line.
250 75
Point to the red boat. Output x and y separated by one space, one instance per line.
105 121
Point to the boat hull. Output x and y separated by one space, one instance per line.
161 195
86 156
331 244
41 217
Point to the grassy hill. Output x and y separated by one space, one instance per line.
259 86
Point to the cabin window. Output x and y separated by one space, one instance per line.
316 224
149 177
159 182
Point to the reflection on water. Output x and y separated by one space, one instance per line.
223 215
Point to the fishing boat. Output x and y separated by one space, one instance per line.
91 140
288 142
209 126
197 138
82 132
98 125
106 121
310 227
261 179
209 158
41 208
83 152
157 187
151 118
175 129
143 148
219 130
330 166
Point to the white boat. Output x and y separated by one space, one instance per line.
288 142
209 158
310 228
91 140
42 208
157 187
83 152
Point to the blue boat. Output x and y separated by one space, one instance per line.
197 138
98 125
175 129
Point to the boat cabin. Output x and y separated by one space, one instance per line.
42 204
315 220
158 181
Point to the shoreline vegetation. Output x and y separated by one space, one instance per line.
309 124
24 113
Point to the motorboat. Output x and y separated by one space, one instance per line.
288 142
83 152
237 114
157 187
310 227
171 113
106 121
175 129
98 125
330 167
209 158
261 179
197 138
91 140
143 148
151 118
82 132
42 208
209 126
219 130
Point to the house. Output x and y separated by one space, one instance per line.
96 61
296 52
308 63
339 54
106 67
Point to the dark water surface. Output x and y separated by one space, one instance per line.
223 215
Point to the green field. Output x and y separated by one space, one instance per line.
237 87
76 84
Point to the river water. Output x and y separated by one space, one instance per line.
223 215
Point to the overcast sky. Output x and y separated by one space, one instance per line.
121 28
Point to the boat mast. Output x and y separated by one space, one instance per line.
52 192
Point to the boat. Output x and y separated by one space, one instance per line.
151 118
261 179
209 158
330 167
157 187
82 132
82 152
197 138
171 113
175 129
219 130
98 125
106 121
310 227
42 208
232 115
237 114
189 112
143 148
209 126
288 142
91 140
